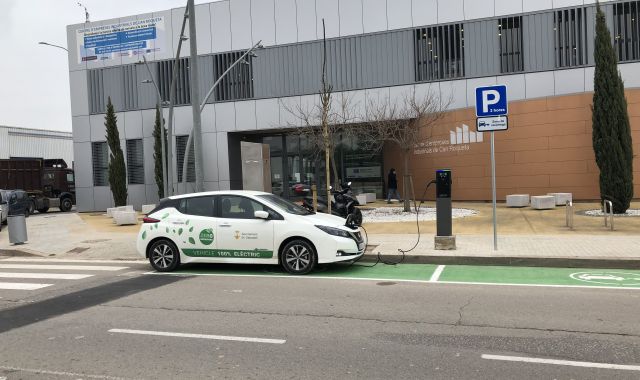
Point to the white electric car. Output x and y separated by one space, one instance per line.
244 227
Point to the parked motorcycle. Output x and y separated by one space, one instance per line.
343 204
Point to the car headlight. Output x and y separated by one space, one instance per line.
334 231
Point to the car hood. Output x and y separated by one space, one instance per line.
325 220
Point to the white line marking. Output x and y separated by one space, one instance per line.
562 362
49 260
66 267
21 286
199 336
56 276
392 279
436 274
61 373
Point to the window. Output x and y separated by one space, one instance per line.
238 83
570 31
200 206
135 162
70 178
181 145
510 42
183 81
100 158
626 30
439 52
237 207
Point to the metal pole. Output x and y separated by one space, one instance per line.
493 189
203 104
195 96
163 157
172 98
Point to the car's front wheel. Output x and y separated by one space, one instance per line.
164 256
298 257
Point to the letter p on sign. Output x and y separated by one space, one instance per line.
491 101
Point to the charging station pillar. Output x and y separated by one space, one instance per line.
444 239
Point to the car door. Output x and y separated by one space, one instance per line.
193 227
243 238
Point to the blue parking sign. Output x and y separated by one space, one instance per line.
491 101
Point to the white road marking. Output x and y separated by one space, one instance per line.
50 260
436 274
61 373
199 336
65 267
21 286
56 276
562 362
391 279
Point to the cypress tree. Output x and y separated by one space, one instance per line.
117 169
611 131
157 153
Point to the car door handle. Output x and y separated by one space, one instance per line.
178 222
224 225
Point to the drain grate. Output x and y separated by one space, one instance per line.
78 250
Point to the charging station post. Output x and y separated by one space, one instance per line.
444 239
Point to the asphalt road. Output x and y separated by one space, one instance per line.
123 324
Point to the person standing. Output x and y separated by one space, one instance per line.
392 186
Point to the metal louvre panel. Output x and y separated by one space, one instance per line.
130 81
181 144
112 79
100 163
437 52
626 31
135 162
205 71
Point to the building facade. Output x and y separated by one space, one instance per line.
376 49
35 143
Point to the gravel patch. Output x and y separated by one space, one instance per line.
396 214
629 213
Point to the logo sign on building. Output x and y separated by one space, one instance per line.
489 124
101 42
491 101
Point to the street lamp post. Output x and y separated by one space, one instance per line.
53 45
258 45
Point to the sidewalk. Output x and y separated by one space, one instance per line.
526 237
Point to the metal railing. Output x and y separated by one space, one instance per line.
569 215
608 214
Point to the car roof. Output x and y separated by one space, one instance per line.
220 192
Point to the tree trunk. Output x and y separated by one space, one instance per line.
406 180
336 178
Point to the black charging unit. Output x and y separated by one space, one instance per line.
444 233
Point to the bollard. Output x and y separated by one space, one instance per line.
569 215
610 204
314 196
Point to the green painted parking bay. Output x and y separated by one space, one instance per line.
457 274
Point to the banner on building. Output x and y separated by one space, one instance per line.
131 38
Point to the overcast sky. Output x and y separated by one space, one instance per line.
34 79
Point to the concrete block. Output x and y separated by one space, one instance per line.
445 243
146 209
362 199
562 198
518 200
543 202
122 218
111 210
371 197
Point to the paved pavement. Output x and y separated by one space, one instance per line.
164 326
94 236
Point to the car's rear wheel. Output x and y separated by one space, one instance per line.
164 256
298 257
43 210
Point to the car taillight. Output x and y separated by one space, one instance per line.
146 219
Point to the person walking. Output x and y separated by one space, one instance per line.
392 186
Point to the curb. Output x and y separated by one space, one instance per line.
552 262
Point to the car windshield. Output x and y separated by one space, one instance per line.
284 204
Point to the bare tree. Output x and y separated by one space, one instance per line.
402 122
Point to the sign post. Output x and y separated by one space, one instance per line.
491 112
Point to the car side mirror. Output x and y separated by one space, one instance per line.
261 215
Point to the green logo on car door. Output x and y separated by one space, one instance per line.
206 236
